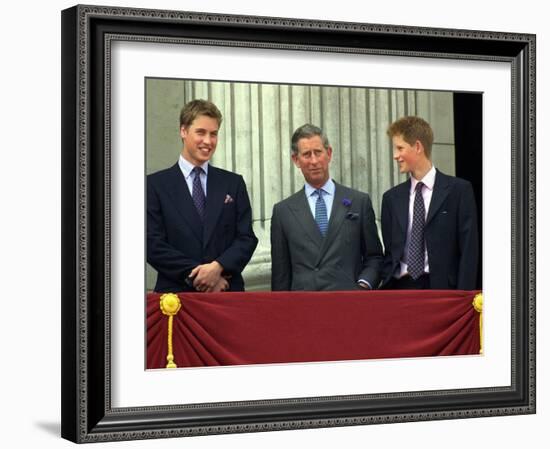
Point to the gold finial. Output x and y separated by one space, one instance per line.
478 302
170 304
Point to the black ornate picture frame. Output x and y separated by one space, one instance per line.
87 411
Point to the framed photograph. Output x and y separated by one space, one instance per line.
119 64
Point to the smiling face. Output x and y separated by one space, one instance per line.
313 159
406 155
200 139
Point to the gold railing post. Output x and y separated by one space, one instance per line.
170 305
478 306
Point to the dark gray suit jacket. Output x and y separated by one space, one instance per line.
450 232
301 259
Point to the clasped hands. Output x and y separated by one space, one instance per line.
208 278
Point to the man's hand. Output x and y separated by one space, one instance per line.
206 277
221 286
364 284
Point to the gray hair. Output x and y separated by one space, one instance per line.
308 131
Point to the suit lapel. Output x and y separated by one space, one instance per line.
441 190
300 208
181 198
216 190
402 205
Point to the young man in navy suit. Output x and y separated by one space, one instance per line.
429 222
199 220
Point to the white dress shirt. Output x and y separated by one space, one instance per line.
427 190
328 196
186 168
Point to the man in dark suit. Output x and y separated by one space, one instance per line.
199 220
324 236
429 223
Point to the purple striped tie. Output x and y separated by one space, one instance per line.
415 255
198 193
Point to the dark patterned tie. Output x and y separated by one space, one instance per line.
415 255
198 193
321 212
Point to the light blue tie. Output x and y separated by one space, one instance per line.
321 212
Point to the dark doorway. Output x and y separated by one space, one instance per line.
468 116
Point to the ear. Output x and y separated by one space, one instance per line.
329 152
183 132
418 147
295 160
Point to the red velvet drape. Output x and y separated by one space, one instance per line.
278 327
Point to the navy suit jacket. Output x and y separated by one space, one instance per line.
451 232
178 240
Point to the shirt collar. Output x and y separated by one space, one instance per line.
428 180
329 188
187 167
